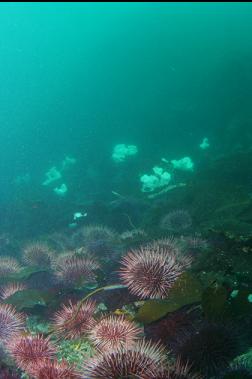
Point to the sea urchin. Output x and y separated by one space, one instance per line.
150 272
30 350
142 357
53 370
11 322
74 321
114 332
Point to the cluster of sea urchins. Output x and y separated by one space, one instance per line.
149 272
36 356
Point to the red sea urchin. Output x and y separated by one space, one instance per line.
30 350
142 358
8 265
192 245
151 271
11 288
53 370
114 332
176 221
38 254
74 321
98 239
11 322
76 270
92 233
170 244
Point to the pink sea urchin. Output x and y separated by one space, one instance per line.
114 332
150 272
142 357
11 322
30 350
74 321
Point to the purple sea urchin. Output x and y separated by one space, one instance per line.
209 350
171 328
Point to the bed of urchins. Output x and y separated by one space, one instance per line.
210 349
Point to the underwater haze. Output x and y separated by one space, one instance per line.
126 155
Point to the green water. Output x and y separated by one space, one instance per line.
78 78
127 127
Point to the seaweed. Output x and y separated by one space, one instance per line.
187 290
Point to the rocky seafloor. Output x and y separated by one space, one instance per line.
149 288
